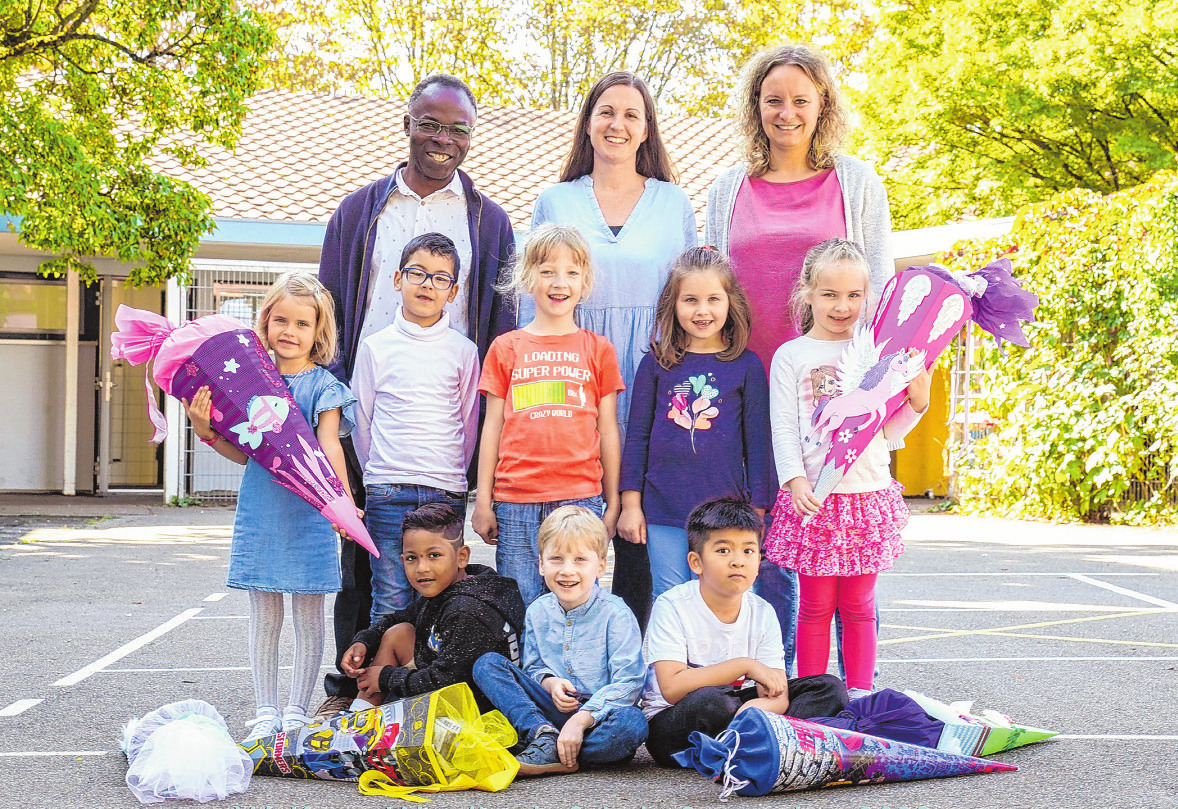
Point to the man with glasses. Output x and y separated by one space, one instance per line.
359 265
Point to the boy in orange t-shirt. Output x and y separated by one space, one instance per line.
550 437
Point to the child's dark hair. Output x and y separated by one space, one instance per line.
436 244
669 341
718 514
436 518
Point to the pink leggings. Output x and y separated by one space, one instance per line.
854 596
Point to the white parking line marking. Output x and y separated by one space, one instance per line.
1124 591
1128 737
1019 659
39 753
215 596
196 668
1010 573
127 648
20 706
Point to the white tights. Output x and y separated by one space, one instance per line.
265 629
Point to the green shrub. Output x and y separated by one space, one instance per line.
1092 406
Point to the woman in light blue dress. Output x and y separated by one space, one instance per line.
617 187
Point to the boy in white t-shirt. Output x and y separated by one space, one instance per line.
713 646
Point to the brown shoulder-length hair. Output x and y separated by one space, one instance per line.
833 119
669 341
652 159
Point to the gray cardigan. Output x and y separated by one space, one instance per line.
865 206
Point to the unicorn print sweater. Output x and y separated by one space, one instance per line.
803 377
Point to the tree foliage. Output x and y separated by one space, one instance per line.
983 107
1087 417
90 89
547 53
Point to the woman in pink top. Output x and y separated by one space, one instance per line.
792 191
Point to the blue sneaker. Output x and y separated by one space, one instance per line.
541 757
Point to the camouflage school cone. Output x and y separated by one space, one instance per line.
762 752
252 407
982 734
435 742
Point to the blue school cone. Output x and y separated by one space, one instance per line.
762 752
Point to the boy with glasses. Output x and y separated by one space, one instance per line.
417 405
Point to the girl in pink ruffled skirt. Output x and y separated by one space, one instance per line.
855 533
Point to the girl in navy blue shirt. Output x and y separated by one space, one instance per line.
699 415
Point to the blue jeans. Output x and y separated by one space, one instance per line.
667 547
527 706
517 556
386 507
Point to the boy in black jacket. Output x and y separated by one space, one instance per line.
464 611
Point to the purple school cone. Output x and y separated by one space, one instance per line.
252 407
921 308
762 752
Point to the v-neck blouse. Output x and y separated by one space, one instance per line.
629 267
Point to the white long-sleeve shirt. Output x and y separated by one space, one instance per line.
417 405
803 372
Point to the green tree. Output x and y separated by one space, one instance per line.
983 107
90 90
1086 419
384 47
547 53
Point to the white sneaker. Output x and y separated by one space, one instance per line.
266 723
856 693
294 718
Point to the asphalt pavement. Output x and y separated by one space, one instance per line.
115 607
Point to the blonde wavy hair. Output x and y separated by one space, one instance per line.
540 244
833 118
305 285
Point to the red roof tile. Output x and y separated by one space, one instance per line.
300 154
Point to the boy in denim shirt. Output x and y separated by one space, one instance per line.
574 700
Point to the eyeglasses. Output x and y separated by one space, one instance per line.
440 281
432 128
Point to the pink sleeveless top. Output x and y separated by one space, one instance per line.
773 225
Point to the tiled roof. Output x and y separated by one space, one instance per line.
300 154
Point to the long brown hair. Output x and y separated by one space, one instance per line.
652 159
669 341
832 119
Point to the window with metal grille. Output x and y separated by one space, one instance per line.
233 288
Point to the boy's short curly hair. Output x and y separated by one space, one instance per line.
718 514
436 518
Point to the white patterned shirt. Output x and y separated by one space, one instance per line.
406 215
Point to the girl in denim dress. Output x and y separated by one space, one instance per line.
281 544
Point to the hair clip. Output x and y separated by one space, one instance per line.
709 247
